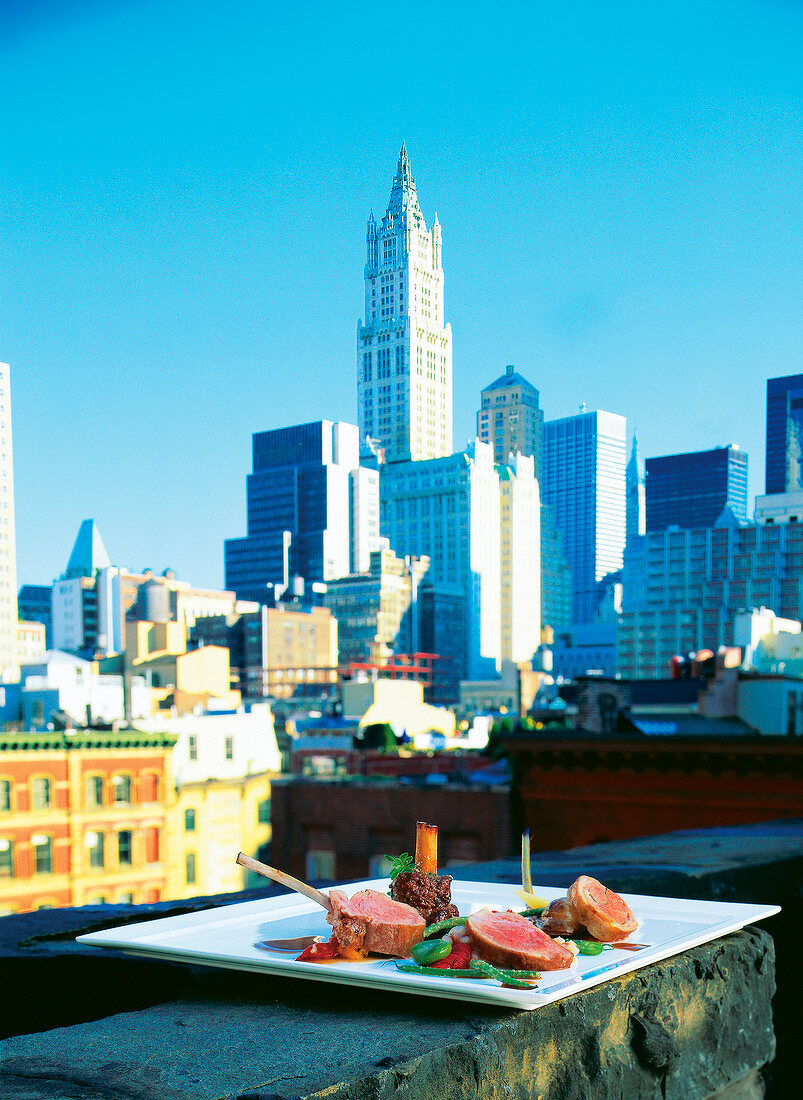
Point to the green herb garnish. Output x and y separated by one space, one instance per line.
398 864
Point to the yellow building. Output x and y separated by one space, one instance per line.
214 819
180 679
400 703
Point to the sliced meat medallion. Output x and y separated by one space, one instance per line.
606 916
511 941
370 921
559 919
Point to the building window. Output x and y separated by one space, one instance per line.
193 747
189 868
122 789
42 854
124 848
6 858
5 796
94 847
152 846
41 793
150 787
263 812
229 748
94 791
189 821
126 898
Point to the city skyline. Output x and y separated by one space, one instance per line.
182 257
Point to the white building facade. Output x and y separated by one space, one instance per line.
9 663
404 348
520 550
454 510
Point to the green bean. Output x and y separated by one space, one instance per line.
428 952
444 926
533 912
438 971
589 947
505 977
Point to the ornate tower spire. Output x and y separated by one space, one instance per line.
403 195
635 509
404 348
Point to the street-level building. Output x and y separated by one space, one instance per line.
223 766
83 818
276 651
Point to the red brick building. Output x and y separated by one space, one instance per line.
580 789
341 829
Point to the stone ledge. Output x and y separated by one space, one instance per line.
685 1028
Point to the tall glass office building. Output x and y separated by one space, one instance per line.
584 483
784 468
304 498
693 490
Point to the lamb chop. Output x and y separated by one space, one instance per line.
367 921
423 888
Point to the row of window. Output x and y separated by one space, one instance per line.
120 793
97 846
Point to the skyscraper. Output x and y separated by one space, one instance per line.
510 418
784 468
636 503
9 665
692 490
404 348
584 482
307 510
511 421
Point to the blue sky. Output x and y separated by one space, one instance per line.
184 188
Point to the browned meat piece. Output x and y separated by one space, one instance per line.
559 919
606 916
510 940
370 921
431 895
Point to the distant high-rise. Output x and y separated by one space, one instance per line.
683 588
404 348
9 664
692 490
584 483
784 467
636 504
308 509
510 418
469 516
512 422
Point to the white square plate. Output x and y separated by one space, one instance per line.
227 937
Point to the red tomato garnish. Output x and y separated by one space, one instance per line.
318 952
458 959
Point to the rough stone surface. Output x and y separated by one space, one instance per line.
680 1029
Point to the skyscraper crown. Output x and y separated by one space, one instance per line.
402 193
